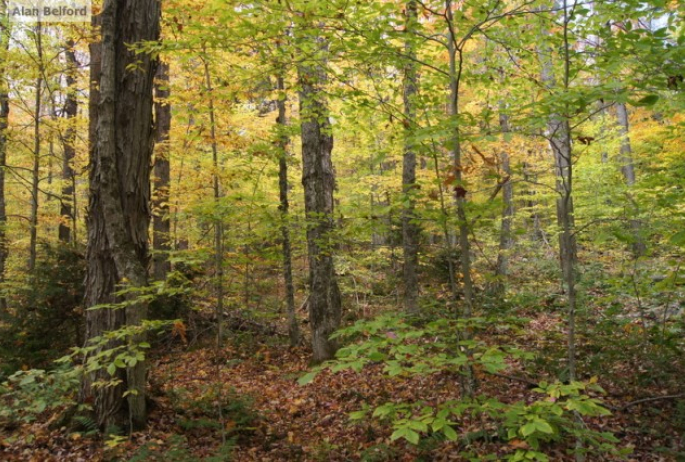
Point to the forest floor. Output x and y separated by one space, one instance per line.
267 416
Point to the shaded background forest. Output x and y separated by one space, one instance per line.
527 156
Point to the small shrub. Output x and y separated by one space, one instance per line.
199 411
176 449
27 394
47 318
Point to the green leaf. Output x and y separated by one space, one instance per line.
678 239
376 356
449 432
358 415
528 429
544 427
111 369
648 100
309 377
406 433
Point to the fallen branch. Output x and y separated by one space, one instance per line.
644 400
517 379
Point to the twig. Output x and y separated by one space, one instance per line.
645 400
517 379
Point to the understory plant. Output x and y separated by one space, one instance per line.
530 428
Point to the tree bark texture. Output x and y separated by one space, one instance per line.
318 179
4 115
410 229
119 203
67 227
162 173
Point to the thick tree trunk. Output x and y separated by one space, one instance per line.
284 141
67 232
160 206
410 230
505 237
628 171
4 115
119 203
318 179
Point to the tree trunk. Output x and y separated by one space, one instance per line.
284 141
119 203
505 237
4 114
318 179
67 232
410 230
35 177
559 137
160 206
628 171
455 63
218 216
531 204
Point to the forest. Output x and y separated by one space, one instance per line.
342 230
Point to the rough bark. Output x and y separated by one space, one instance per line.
67 227
628 171
318 179
410 230
119 202
284 141
161 224
4 115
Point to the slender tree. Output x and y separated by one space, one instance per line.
283 186
35 177
67 232
119 204
4 115
456 62
505 237
218 219
410 230
628 171
559 136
